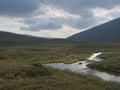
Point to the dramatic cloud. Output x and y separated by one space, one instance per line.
18 8
51 16
83 7
51 19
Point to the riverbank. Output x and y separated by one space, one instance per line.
82 68
54 80
110 63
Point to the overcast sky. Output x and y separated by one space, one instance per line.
55 18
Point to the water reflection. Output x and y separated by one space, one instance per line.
81 67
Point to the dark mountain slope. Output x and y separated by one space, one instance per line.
7 38
107 32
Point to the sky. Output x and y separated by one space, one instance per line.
55 18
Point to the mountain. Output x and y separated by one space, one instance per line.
7 39
107 32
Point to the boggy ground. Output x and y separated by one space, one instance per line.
21 67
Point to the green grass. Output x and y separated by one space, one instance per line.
54 80
71 58
43 53
21 69
110 63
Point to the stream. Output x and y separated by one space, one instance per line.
81 67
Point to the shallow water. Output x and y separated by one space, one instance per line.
81 67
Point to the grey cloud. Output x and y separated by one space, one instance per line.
21 8
76 4
36 24
83 7
78 7
26 9
42 24
84 23
18 8
116 14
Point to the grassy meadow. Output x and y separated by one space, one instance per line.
21 67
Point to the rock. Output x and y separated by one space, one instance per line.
80 63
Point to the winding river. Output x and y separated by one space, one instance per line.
81 67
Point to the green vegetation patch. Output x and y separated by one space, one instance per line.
71 58
21 69
110 63
58 80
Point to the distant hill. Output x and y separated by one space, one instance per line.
7 39
107 32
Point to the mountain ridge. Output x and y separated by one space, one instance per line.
8 38
106 32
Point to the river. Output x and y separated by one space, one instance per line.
81 67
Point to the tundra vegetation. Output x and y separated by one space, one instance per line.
22 67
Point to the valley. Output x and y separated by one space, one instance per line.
59 44
21 66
